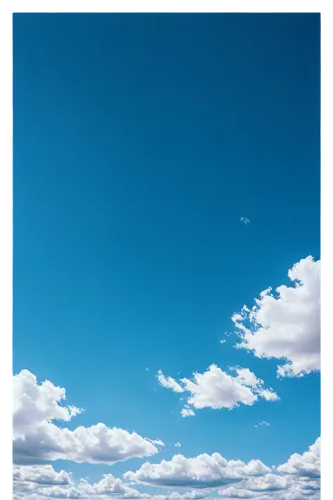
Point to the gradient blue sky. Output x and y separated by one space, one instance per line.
139 142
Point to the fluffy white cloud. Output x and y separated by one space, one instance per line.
187 412
36 438
44 482
297 479
217 389
178 444
273 487
286 325
169 382
41 474
269 482
203 471
307 464
232 492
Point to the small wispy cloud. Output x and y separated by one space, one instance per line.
187 412
245 220
156 441
178 444
223 341
169 382
263 424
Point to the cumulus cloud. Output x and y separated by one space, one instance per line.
286 324
203 471
297 479
307 464
42 474
232 492
217 389
269 482
169 382
42 482
37 439
108 485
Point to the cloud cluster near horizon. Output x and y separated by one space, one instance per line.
203 476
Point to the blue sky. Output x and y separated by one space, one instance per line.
139 143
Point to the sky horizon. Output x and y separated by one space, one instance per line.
166 174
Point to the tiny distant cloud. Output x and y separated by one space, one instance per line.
245 220
223 341
147 369
187 412
263 424
178 444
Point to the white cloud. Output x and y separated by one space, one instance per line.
246 377
169 382
36 438
38 483
204 471
217 389
232 492
245 220
269 395
264 423
41 474
286 325
46 482
178 444
307 464
187 412
268 482
297 479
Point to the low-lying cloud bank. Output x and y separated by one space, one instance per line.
205 476
298 478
